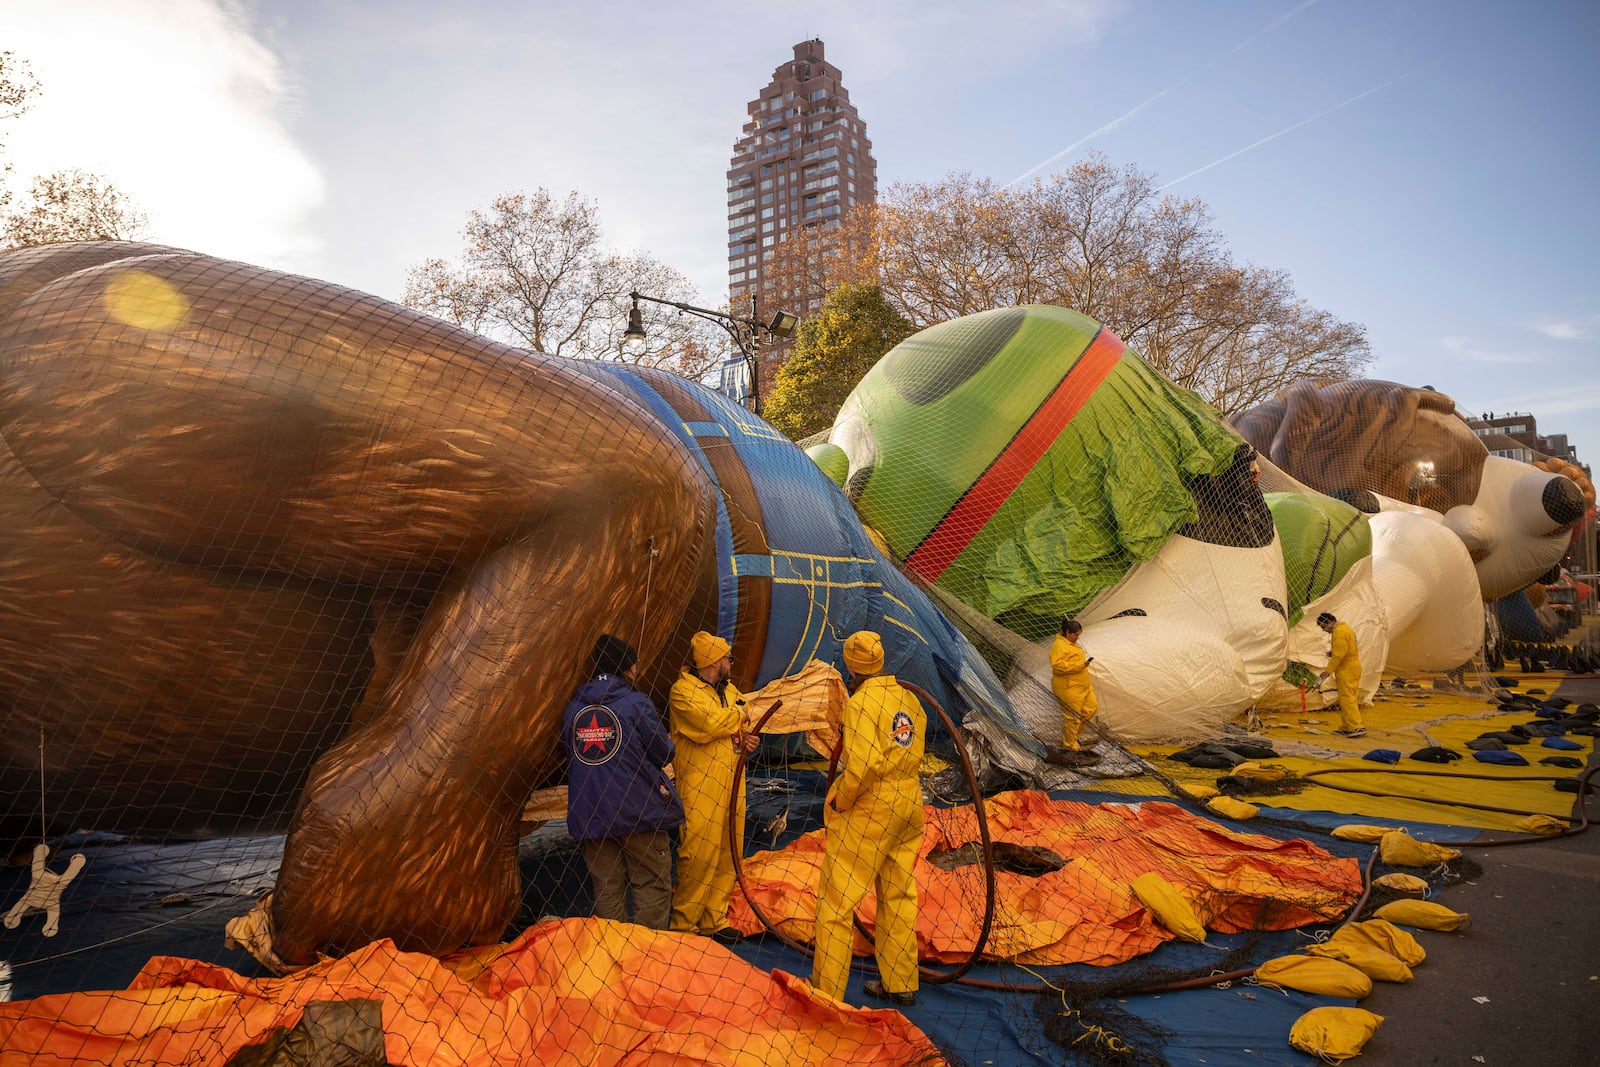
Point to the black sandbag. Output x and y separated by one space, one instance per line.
1251 749
1504 735
1216 761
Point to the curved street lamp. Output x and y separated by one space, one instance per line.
748 334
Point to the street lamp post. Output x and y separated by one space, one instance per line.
748 334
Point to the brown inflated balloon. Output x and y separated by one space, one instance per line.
274 547
1360 434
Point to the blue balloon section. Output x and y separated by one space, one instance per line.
827 578
1518 621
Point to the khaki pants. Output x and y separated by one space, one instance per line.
641 862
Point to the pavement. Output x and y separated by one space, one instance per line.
1520 985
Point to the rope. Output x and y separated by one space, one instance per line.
649 574
735 846
15 964
44 831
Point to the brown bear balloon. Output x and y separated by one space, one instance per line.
245 575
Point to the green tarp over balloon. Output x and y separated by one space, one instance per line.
1023 460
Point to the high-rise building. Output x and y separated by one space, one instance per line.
802 162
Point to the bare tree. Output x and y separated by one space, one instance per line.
810 262
1104 242
17 88
535 273
73 205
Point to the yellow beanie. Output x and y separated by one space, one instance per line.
863 653
706 649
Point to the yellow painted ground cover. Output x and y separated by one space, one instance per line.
1405 720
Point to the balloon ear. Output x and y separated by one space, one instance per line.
1363 500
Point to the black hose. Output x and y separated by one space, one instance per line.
936 977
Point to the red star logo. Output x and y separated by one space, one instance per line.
594 735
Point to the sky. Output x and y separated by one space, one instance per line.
1428 169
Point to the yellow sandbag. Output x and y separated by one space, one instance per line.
1257 772
1403 883
1370 961
1422 914
1542 824
1400 849
1171 910
1314 974
1367 835
1200 792
1334 1033
1384 935
1230 808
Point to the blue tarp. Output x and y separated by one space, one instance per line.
133 901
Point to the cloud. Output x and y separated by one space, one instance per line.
1565 330
178 105
1466 349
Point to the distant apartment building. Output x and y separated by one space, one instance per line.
802 161
1516 436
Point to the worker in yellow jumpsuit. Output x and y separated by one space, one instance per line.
1344 663
708 729
874 830
1069 681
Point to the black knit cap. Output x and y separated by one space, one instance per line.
613 655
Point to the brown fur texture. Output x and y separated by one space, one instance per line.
1339 436
273 546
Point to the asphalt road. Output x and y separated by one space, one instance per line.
1520 985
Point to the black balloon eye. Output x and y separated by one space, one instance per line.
1131 611
1272 605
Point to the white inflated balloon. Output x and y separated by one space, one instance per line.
1429 590
1355 601
1511 537
1207 646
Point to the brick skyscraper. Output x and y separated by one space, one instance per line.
803 160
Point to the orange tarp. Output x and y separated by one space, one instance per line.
1085 912
574 992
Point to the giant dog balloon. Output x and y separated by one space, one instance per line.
272 547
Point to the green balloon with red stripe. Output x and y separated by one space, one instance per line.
1023 460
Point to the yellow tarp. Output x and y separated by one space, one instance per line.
564 994
1405 720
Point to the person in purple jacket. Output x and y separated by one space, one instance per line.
620 802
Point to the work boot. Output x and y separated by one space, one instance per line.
875 990
1069 757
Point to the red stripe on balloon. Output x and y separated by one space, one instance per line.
994 486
